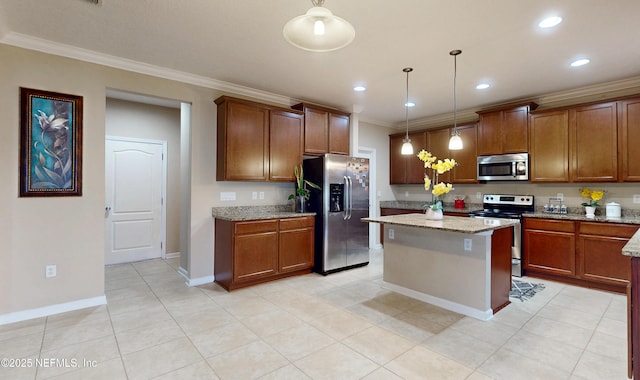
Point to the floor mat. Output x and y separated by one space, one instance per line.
524 290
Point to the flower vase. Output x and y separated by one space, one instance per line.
434 214
300 204
590 211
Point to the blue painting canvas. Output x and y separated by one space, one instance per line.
51 125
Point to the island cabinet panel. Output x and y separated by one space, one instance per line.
549 247
633 323
501 241
598 252
549 146
594 143
628 139
504 130
406 169
255 251
325 130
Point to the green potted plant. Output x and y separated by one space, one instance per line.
301 196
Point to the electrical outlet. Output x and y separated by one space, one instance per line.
560 197
406 193
636 198
50 271
228 196
262 195
478 195
467 244
254 195
392 234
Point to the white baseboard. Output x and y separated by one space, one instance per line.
483 315
200 281
171 255
45 311
195 281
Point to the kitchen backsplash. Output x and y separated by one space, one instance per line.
615 192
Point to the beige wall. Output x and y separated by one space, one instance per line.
145 121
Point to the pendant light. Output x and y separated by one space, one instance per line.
455 142
407 148
318 30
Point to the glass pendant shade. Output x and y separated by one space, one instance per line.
455 142
318 30
407 148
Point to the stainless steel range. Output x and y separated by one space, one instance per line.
510 207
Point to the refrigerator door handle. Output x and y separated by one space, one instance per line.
347 196
350 197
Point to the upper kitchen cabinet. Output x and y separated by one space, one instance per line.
549 146
466 169
257 142
406 169
438 145
285 144
325 130
594 143
628 139
504 130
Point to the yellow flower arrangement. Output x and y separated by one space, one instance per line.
437 167
593 196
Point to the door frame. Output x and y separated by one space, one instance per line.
163 187
374 231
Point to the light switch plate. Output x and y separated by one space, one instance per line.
636 198
227 195
560 197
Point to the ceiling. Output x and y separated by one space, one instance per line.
240 42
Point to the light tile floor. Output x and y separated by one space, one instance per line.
342 326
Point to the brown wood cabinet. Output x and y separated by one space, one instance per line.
578 252
255 251
599 248
628 139
466 171
549 146
504 130
438 145
594 143
257 142
549 247
325 130
406 169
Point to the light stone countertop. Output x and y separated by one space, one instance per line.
625 219
632 248
240 213
448 223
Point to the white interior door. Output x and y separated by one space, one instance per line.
134 225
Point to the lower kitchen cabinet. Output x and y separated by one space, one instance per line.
549 247
256 251
580 253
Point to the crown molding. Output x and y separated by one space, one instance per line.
68 51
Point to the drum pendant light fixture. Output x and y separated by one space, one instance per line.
407 148
318 30
455 142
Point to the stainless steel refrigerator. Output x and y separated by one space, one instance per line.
341 238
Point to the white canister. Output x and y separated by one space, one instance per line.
613 210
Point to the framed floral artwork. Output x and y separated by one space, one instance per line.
50 144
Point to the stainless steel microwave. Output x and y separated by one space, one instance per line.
504 167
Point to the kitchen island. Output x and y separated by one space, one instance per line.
460 264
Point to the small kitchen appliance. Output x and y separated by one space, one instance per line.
509 207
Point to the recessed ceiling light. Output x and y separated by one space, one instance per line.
410 104
359 88
550 22
483 86
580 62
